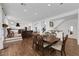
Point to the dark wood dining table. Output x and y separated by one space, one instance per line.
49 43
55 43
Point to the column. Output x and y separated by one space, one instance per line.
78 29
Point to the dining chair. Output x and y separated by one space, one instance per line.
64 45
10 33
38 45
61 48
34 42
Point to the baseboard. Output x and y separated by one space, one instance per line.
78 41
13 39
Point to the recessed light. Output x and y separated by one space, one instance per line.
49 5
12 22
35 13
25 10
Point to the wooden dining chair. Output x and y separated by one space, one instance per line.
10 33
38 45
34 42
64 45
61 48
45 50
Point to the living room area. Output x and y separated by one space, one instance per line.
39 29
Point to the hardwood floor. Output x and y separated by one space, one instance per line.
24 48
20 48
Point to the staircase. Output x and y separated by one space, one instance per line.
58 23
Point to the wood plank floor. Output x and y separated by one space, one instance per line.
24 48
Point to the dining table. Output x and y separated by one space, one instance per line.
49 42
56 43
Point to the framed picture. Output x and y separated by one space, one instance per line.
51 24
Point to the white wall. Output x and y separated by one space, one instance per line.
1 29
36 24
56 23
65 26
11 22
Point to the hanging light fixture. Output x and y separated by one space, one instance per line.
17 25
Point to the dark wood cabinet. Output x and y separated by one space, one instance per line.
26 34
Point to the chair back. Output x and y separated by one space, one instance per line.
38 42
34 42
64 45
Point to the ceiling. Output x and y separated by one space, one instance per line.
31 12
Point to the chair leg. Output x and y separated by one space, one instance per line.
63 53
